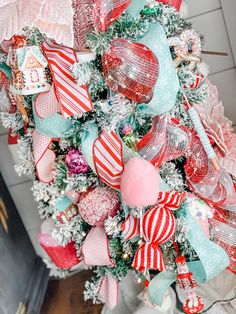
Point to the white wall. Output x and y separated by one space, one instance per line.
19 188
216 20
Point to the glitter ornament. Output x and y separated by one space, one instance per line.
76 162
82 22
97 204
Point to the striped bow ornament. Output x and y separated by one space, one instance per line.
107 157
73 99
171 200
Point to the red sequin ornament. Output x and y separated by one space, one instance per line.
131 69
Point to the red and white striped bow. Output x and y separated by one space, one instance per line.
130 227
73 99
108 160
171 200
158 227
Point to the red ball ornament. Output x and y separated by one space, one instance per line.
131 69
97 204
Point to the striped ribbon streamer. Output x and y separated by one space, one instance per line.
73 99
130 228
107 156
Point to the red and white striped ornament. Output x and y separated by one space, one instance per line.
158 227
130 227
171 200
73 99
107 156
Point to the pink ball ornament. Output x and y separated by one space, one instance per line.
76 162
139 183
97 204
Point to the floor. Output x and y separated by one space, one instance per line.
66 297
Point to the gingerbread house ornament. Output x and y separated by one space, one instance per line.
28 70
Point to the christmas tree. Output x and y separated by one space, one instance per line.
127 142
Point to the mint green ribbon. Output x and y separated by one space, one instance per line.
135 7
54 126
6 70
212 260
167 85
89 137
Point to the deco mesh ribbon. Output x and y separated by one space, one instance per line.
158 227
105 12
167 140
215 187
224 228
73 99
130 69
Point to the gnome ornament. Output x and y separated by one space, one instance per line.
186 281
